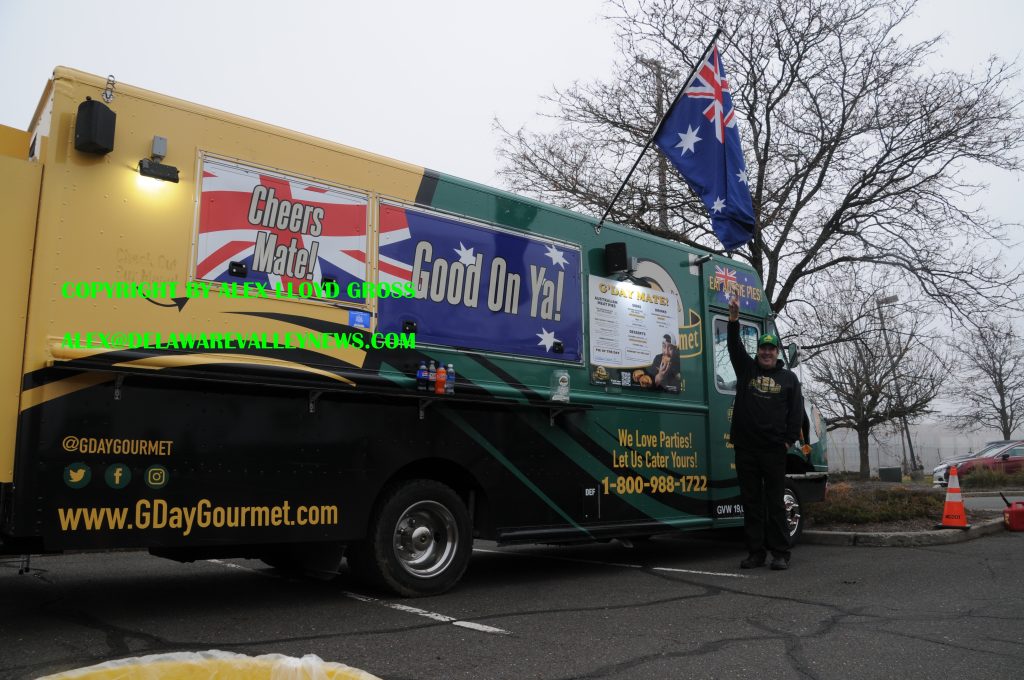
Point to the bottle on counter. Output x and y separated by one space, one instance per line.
560 385
449 383
431 376
421 377
441 380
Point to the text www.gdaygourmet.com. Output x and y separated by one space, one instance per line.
159 514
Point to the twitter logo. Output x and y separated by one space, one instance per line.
77 475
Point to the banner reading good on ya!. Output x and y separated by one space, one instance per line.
481 287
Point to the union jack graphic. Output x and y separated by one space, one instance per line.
394 257
710 83
226 233
726 276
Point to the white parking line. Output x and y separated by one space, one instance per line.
613 564
390 605
231 565
698 571
428 614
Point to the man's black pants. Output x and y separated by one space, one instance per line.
762 476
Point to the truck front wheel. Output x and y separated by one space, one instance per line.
794 516
419 540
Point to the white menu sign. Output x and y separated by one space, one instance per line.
628 324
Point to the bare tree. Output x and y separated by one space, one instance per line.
885 374
991 388
857 153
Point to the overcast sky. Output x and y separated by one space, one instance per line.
418 81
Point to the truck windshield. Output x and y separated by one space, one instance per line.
725 377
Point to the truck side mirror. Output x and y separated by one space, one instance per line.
794 355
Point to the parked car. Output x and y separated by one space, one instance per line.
940 474
1007 459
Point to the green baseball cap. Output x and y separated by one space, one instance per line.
768 339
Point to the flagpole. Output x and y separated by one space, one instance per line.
657 128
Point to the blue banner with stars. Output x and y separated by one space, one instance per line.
699 136
479 287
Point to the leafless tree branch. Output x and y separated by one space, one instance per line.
858 153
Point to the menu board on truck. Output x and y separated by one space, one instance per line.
634 336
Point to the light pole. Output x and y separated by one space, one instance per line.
879 302
659 110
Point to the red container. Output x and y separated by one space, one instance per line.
1013 516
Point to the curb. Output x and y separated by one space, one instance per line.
902 539
991 494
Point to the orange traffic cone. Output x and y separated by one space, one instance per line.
954 515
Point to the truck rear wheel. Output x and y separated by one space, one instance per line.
419 540
794 516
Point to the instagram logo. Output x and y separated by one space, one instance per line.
156 476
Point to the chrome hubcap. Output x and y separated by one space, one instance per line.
425 540
792 512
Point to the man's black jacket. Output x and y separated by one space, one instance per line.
769 408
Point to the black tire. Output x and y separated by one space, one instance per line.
419 540
794 514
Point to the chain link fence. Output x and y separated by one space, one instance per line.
932 442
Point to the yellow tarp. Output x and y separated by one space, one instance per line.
216 665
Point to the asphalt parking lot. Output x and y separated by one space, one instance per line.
668 608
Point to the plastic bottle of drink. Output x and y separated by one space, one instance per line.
421 377
449 384
431 375
441 380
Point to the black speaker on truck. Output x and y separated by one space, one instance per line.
616 259
94 127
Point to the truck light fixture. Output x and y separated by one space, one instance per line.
151 168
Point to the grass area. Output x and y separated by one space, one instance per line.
854 476
978 479
990 479
846 476
849 504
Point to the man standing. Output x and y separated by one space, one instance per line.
766 420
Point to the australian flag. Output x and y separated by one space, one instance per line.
700 137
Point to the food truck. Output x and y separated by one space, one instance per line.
225 338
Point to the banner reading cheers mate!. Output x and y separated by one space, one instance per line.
285 230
